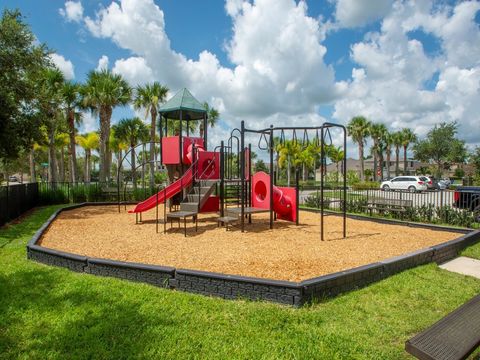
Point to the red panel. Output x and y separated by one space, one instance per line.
284 198
261 190
208 165
170 150
211 205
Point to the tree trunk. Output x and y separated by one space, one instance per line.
132 161
388 162
72 149
153 114
87 165
31 159
61 164
362 165
52 158
288 171
119 167
405 159
105 116
397 160
338 171
375 165
380 162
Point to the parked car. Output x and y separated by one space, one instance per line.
468 197
410 183
12 179
429 181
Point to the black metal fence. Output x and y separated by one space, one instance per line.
16 199
427 206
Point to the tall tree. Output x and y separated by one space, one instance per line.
441 147
336 154
132 131
88 142
118 146
212 117
358 129
397 141
388 142
102 92
71 104
288 154
475 159
61 141
377 133
408 137
50 101
22 62
149 97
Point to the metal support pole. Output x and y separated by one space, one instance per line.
242 175
249 188
297 195
156 213
161 137
205 125
322 159
222 180
270 147
345 182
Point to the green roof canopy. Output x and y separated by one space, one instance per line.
183 103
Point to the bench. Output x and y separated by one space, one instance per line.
390 205
456 336
183 214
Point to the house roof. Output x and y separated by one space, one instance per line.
183 106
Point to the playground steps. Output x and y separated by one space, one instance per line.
198 195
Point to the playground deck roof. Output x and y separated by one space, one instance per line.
184 106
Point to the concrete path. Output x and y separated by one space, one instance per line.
463 265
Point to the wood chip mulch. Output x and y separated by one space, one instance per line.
288 252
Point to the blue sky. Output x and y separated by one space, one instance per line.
404 63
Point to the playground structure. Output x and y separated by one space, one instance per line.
221 181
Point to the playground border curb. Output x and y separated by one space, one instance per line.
250 288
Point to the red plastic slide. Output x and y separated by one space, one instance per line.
165 194
284 199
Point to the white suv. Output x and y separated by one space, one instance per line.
410 183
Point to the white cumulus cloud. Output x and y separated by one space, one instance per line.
64 65
73 11
353 13
102 63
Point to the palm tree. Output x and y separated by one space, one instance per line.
61 141
358 129
336 154
132 131
51 83
306 159
149 97
408 137
288 153
388 142
397 141
117 145
377 133
101 93
71 103
88 142
212 117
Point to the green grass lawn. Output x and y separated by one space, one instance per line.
48 312
472 251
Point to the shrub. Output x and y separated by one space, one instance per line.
366 185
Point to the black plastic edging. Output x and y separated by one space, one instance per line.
235 286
